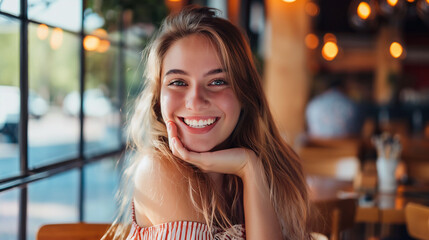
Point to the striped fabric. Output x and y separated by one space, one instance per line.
184 230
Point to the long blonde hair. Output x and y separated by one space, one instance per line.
255 129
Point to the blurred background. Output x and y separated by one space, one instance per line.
70 70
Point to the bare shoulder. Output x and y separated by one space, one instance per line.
161 194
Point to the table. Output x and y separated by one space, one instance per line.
373 206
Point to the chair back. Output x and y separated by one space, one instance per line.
334 216
417 220
72 231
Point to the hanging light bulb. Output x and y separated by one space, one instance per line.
362 14
311 41
329 51
396 49
363 10
392 2
311 9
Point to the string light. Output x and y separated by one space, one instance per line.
42 31
91 43
396 49
56 38
392 2
330 51
311 41
363 10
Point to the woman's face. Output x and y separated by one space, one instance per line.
196 95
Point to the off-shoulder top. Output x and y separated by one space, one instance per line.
184 230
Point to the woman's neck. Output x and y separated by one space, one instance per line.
217 178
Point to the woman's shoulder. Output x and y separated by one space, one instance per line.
161 193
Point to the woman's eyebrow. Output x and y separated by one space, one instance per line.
214 71
179 71
175 71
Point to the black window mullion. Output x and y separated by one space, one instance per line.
23 121
81 115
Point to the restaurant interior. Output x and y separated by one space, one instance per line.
347 82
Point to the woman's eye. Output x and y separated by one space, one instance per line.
178 83
218 82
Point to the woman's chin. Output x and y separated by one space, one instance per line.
195 146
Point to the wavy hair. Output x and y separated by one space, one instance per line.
255 129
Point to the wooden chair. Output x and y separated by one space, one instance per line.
417 220
334 216
336 158
72 231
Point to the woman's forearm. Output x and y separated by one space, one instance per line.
260 215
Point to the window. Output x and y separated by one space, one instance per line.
57 159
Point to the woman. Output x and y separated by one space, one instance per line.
210 162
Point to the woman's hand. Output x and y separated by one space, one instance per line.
228 161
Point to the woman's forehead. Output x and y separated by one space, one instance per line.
196 53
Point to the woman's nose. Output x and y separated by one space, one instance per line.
197 98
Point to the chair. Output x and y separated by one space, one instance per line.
72 231
334 216
417 220
336 158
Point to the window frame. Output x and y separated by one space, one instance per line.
29 175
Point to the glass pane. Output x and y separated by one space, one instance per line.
101 184
10 6
66 14
53 127
9 212
133 77
101 101
103 19
53 200
9 97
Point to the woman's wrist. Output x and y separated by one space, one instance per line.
252 170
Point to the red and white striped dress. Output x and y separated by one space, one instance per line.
184 230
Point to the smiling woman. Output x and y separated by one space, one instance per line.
209 162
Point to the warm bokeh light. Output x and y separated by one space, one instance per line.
392 2
329 37
311 41
289 1
311 9
329 51
103 46
427 1
174 0
100 32
42 31
56 38
410 1
363 10
90 43
396 50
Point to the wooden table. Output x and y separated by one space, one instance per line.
379 208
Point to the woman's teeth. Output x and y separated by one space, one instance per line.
199 123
